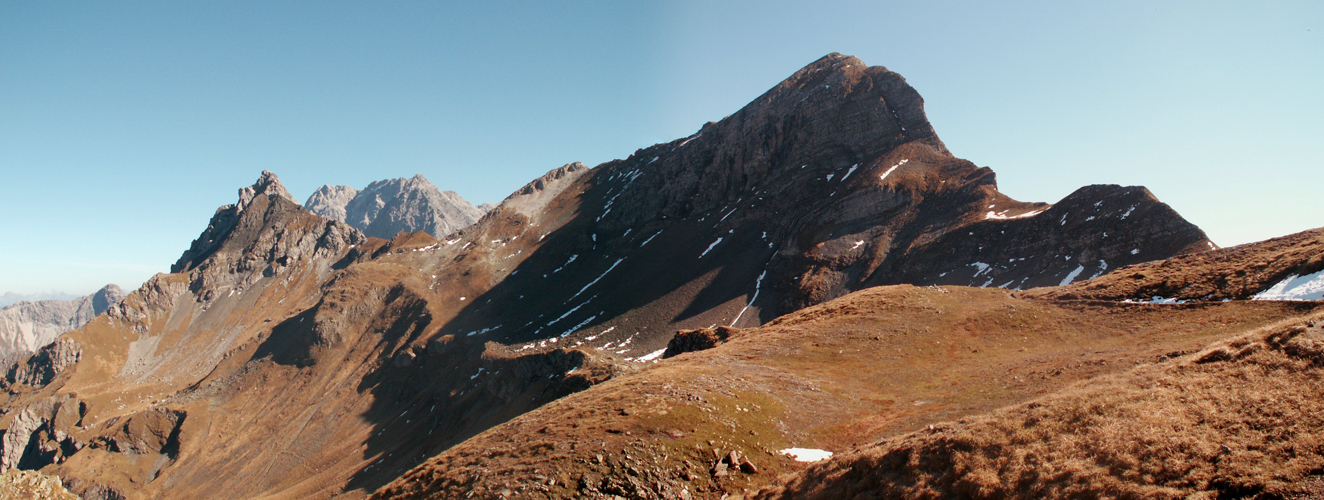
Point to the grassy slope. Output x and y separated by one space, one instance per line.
1230 273
1240 419
872 365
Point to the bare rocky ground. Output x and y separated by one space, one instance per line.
28 485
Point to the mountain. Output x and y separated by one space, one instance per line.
28 326
330 201
941 392
289 355
388 207
11 298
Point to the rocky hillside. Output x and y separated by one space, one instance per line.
1286 268
28 326
1237 419
392 206
304 358
884 364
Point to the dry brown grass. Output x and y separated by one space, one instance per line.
1230 273
877 364
1241 419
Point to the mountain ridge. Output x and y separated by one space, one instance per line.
309 360
387 207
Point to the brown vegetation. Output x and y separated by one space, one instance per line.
1233 273
1243 418
873 365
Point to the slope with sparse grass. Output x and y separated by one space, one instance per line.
874 365
1240 419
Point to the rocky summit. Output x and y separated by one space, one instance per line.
388 207
836 275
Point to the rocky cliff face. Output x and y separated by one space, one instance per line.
28 326
388 207
330 201
307 360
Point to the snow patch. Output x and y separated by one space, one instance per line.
567 262
571 311
757 284
650 238
595 337
1156 300
480 332
851 171
604 273
807 454
1003 214
1308 287
576 327
1072 276
893 169
982 268
710 247
652 355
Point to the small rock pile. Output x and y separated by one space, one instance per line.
699 339
26 484
724 465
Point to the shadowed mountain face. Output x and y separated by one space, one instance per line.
388 207
305 358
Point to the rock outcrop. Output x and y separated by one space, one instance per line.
32 485
699 339
26 327
41 433
43 366
388 207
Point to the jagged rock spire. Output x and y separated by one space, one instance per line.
267 184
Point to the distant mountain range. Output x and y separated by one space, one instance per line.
28 326
839 279
392 206
10 298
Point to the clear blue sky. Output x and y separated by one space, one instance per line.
124 125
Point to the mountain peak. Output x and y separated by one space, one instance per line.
266 199
267 184
387 207
330 201
832 114
107 296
